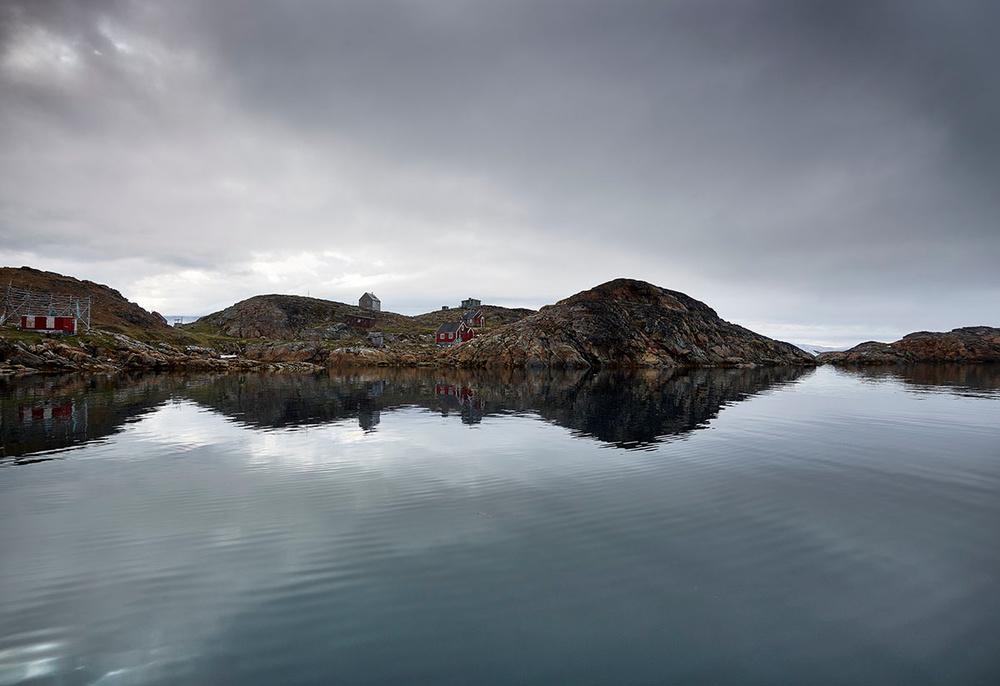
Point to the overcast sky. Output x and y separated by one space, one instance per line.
818 171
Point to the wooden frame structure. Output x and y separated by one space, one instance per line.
19 302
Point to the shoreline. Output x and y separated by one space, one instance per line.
103 352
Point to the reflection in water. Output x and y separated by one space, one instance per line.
627 410
832 528
969 380
53 413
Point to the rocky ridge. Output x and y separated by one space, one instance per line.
968 344
113 352
109 309
288 318
626 323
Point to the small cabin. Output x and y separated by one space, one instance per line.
471 303
370 302
447 333
46 324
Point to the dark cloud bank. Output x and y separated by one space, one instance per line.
817 171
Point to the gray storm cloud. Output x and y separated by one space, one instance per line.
817 171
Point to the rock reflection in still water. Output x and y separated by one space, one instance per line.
626 410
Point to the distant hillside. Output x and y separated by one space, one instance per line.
626 323
968 344
494 314
291 317
283 317
109 308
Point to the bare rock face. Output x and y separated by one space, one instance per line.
968 344
626 323
272 316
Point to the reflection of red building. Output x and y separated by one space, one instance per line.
39 413
445 389
466 396
469 398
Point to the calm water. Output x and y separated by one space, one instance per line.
728 527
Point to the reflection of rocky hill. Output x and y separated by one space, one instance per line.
624 409
620 408
58 412
283 400
960 379
636 410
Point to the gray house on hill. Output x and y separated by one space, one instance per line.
369 301
470 303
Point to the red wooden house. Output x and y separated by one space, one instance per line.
465 332
448 333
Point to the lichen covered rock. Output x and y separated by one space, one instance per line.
626 323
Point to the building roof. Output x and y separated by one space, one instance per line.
472 314
371 295
449 327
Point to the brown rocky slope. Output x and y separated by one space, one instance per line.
109 309
626 323
969 344
284 317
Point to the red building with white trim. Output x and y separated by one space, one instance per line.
448 333
46 324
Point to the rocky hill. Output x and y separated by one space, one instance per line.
626 323
968 344
109 308
295 317
284 317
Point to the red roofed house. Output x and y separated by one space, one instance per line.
447 333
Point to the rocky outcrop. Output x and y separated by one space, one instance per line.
114 352
626 323
281 317
969 344
295 317
108 308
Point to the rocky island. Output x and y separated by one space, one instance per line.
969 344
627 323
619 324
623 323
